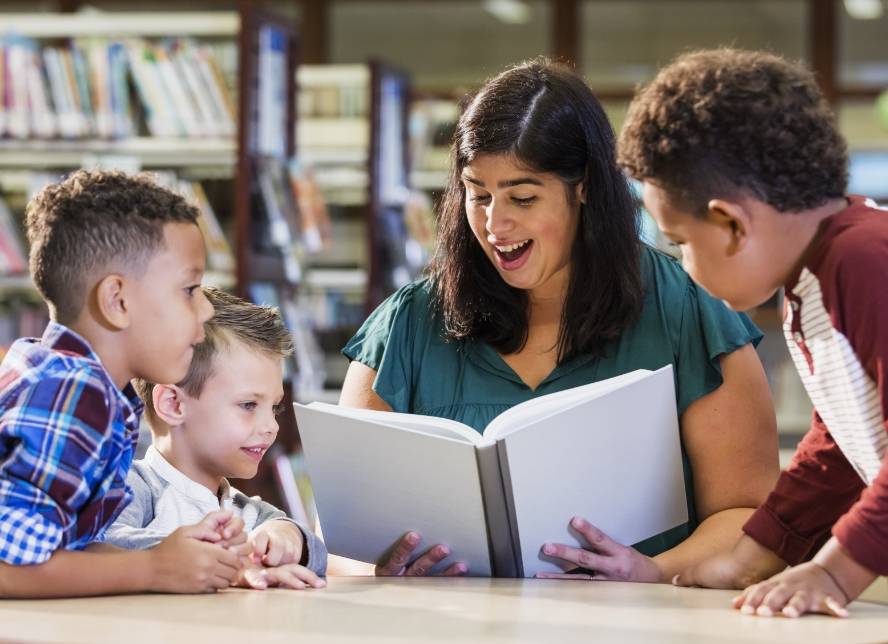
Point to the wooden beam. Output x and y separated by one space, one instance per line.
823 45
315 32
565 46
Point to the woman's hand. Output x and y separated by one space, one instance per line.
399 564
607 559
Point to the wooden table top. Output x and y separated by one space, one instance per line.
360 609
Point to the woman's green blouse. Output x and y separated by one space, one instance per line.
418 372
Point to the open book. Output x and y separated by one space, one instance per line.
608 452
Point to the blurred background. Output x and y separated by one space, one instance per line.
314 134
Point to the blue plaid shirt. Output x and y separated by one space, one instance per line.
67 437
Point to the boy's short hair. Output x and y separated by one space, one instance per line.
91 221
726 123
234 320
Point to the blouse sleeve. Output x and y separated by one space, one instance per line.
708 330
385 344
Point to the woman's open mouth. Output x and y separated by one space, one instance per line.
513 256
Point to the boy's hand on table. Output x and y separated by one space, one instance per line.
825 585
748 563
275 543
806 588
188 561
291 576
606 559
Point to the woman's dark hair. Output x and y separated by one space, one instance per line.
545 117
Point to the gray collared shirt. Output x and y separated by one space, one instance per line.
164 499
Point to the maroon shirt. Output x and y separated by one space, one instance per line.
836 326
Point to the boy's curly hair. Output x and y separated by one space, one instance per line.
260 328
725 123
96 221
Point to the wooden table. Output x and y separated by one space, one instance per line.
434 610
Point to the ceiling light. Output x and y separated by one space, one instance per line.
864 9
513 12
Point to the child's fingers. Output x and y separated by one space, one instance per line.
259 544
775 600
234 528
285 578
798 604
306 575
215 520
754 596
256 578
834 608
201 532
274 554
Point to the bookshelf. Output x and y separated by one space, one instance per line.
352 133
203 99
72 98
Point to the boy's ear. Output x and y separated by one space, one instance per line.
169 404
735 218
111 302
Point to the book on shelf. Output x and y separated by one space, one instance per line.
272 93
181 89
81 89
73 91
279 215
314 215
13 254
609 452
219 254
333 91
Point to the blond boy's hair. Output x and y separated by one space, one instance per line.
234 320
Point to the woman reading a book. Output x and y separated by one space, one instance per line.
540 283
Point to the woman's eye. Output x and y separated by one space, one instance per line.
523 201
278 409
191 289
248 406
478 198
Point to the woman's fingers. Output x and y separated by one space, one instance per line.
579 557
401 553
599 541
429 560
564 575
456 570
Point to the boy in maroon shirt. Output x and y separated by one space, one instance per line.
744 169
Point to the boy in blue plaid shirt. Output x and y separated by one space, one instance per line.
119 262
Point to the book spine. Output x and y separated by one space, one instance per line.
512 520
503 559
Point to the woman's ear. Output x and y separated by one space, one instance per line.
581 192
735 219
112 307
169 404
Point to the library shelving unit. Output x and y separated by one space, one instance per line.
352 132
72 104
69 102
206 100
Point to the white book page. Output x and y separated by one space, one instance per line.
374 481
536 409
614 460
430 425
